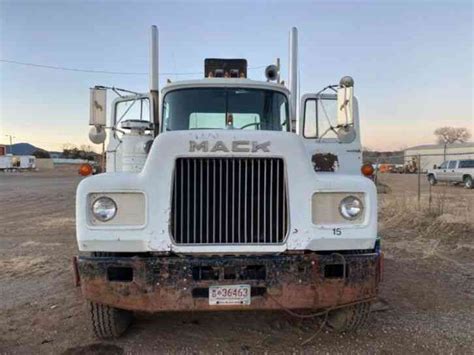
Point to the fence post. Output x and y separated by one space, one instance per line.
376 180
419 180
429 198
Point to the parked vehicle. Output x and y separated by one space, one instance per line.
453 171
27 162
411 166
11 162
214 203
6 162
398 169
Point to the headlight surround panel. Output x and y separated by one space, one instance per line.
130 211
326 208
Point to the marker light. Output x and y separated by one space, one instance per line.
367 170
85 169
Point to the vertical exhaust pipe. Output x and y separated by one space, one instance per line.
154 77
293 75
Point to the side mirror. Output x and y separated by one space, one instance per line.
98 107
345 97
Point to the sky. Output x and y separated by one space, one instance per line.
412 61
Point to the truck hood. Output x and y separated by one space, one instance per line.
156 181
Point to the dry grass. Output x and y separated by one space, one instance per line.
441 227
442 217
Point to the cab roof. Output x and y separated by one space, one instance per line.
225 82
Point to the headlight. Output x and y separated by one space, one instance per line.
104 209
351 207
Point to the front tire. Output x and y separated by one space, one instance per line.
432 180
468 183
109 322
349 318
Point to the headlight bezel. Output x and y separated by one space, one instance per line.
345 207
132 207
325 211
97 216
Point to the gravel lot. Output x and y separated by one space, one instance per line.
428 285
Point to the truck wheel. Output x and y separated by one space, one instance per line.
349 318
432 180
468 184
109 322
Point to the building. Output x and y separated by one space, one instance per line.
434 154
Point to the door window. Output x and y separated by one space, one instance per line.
320 118
134 109
452 164
443 165
466 164
310 125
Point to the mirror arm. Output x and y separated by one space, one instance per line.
332 87
116 90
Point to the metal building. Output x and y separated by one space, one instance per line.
434 154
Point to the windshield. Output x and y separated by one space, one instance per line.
221 108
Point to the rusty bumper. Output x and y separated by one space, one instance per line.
157 283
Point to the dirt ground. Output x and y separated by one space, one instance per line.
428 283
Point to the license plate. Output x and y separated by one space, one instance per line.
229 295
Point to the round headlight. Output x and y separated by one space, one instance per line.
104 209
351 207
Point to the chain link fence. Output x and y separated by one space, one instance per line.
409 173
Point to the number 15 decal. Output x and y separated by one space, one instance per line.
336 231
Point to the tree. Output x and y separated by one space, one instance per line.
70 151
86 148
450 135
40 153
68 146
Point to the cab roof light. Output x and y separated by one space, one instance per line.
225 68
234 73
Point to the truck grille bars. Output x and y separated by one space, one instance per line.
229 201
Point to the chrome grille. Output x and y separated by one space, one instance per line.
229 201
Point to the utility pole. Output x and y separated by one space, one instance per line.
11 142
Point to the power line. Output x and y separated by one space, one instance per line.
100 71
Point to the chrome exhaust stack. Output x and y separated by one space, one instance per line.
293 75
154 78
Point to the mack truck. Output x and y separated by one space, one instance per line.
227 193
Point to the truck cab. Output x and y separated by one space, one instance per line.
218 196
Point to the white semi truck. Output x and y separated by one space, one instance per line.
218 196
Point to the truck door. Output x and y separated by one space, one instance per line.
441 172
451 171
328 133
136 107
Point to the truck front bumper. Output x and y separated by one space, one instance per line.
301 281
